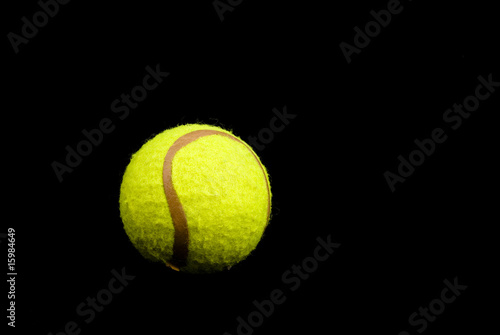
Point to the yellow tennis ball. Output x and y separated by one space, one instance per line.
195 197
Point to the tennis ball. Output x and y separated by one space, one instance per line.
195 197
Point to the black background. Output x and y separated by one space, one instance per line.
352 122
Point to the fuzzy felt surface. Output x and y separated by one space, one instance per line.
223 191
